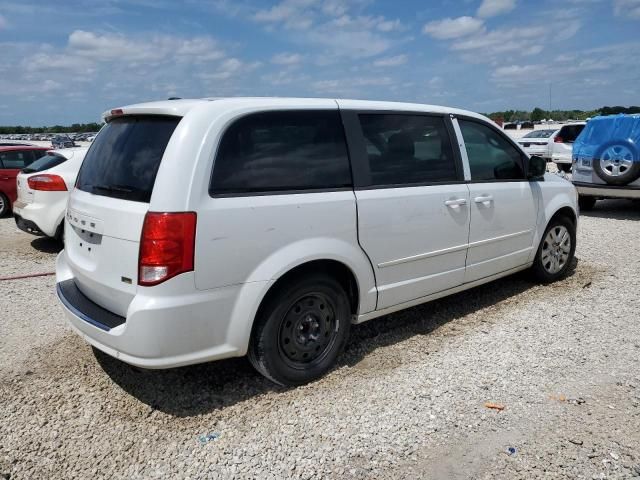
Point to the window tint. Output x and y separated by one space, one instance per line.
279 151
408 149
123 160
491 155
44 163
569 133
16 158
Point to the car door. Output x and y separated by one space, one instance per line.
12 162
413 204
503 204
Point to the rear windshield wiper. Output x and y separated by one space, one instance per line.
115 188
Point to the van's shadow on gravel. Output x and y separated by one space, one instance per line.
47 245
616 209
199 389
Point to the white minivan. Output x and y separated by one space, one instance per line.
205 229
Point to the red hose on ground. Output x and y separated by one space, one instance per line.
31 275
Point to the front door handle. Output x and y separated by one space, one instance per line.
483 199
456 203
5 178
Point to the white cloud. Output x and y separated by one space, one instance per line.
627 8
391 61
287 59
453 27
3 23
491 8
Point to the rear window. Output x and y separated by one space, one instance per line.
569 133
282 151
45 163
123 160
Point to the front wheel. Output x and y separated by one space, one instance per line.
301 330
4 205
556 250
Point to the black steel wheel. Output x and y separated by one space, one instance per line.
301 330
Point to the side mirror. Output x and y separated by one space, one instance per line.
537 168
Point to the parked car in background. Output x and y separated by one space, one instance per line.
562 150
62 141
205 229
12 160
606 159
43 191
539 142
527 125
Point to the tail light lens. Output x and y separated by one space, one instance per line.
167 246
47 183
558 140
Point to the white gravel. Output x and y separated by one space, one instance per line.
407 400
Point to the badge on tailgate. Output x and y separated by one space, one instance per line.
84 222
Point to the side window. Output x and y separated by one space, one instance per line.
491 156
408 149
280 151
15 159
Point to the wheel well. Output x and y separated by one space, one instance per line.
566 212
338 271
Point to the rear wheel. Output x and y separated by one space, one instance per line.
301 330
4 205
556 250
586 203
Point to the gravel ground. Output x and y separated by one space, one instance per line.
407 400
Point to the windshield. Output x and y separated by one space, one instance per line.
123 160
50 160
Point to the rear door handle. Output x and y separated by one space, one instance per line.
483 199
456 203
5 178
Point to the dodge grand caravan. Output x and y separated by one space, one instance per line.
205 229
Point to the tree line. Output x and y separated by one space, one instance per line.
538 114
74 128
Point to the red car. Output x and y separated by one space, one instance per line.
13 159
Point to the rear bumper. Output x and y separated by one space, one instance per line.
176 326
27 225
559 158
39 218
607 191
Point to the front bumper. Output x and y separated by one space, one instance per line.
166 326
607 191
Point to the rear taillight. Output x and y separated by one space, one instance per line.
167 246
558 140
47 183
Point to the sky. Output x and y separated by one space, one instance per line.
67 63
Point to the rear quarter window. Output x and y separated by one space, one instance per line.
282 151
123 160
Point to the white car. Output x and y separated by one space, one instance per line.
43 190
561 153
539 142
206 229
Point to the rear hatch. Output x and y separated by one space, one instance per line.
50 160
106 210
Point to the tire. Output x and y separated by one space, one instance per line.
564 167
301 330
554 256
586 203
5 206
617 163
59 235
